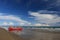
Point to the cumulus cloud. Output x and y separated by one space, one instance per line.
45 18
11 23
38 24
14 18
46 11
5 23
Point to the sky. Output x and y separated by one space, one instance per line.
30 12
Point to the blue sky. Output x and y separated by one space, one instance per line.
30 12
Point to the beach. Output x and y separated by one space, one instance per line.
30 34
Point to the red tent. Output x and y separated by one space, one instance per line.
15 29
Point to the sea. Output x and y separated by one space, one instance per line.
36 27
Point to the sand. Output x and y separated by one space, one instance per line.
41 34
34 34
5 35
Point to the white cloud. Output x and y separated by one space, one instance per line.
11 23
45 18
38 24
5 23
14 18
46 11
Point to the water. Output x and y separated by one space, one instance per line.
41 26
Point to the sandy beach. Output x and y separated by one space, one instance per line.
30 34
